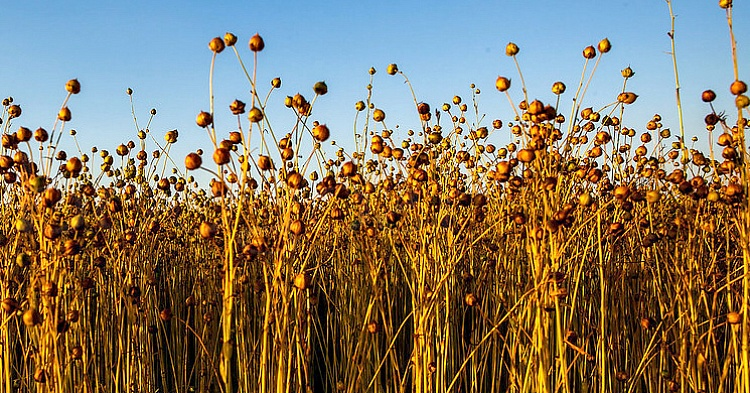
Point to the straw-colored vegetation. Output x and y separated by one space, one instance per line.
589 255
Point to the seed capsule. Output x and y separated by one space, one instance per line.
511 49
255 115
734 318
230 39
207 230
589 52
73 86
64 114
302 281
321 133
14 111
471 299
742 101
32 317
193 161
708 96
502 84
237 107
256 43
216 45
604 46
738 87
558 88
221 156
320 88
204 119
627 98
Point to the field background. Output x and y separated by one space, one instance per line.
361 209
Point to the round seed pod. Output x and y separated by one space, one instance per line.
511 49
589 52
9 305
471 299
73 86
76 352
216 45
32 317
734 318
708 96
256 43
373 327
302 281
378 115
738 87
193 161
204 119
166 314
502 84
321 133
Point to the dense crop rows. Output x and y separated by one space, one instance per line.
589 254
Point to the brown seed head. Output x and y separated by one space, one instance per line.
237 107
627 98
708 96
378 115
221 156
536 107
216 45
502 84
321 133
166 314
742 101
302 281
511 49
41 135
74 165
373 327
295 180
255 115
64 114
297 227
256 43
320 88
230 39
589 52
32 317
604 45
734 318
207 230
23 134
10 305
204 119
558 88
265 163
738 87
73 86
76 353
526 155
40 376
14 111
471 299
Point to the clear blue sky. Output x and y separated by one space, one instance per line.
160 50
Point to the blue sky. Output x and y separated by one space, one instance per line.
159 49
